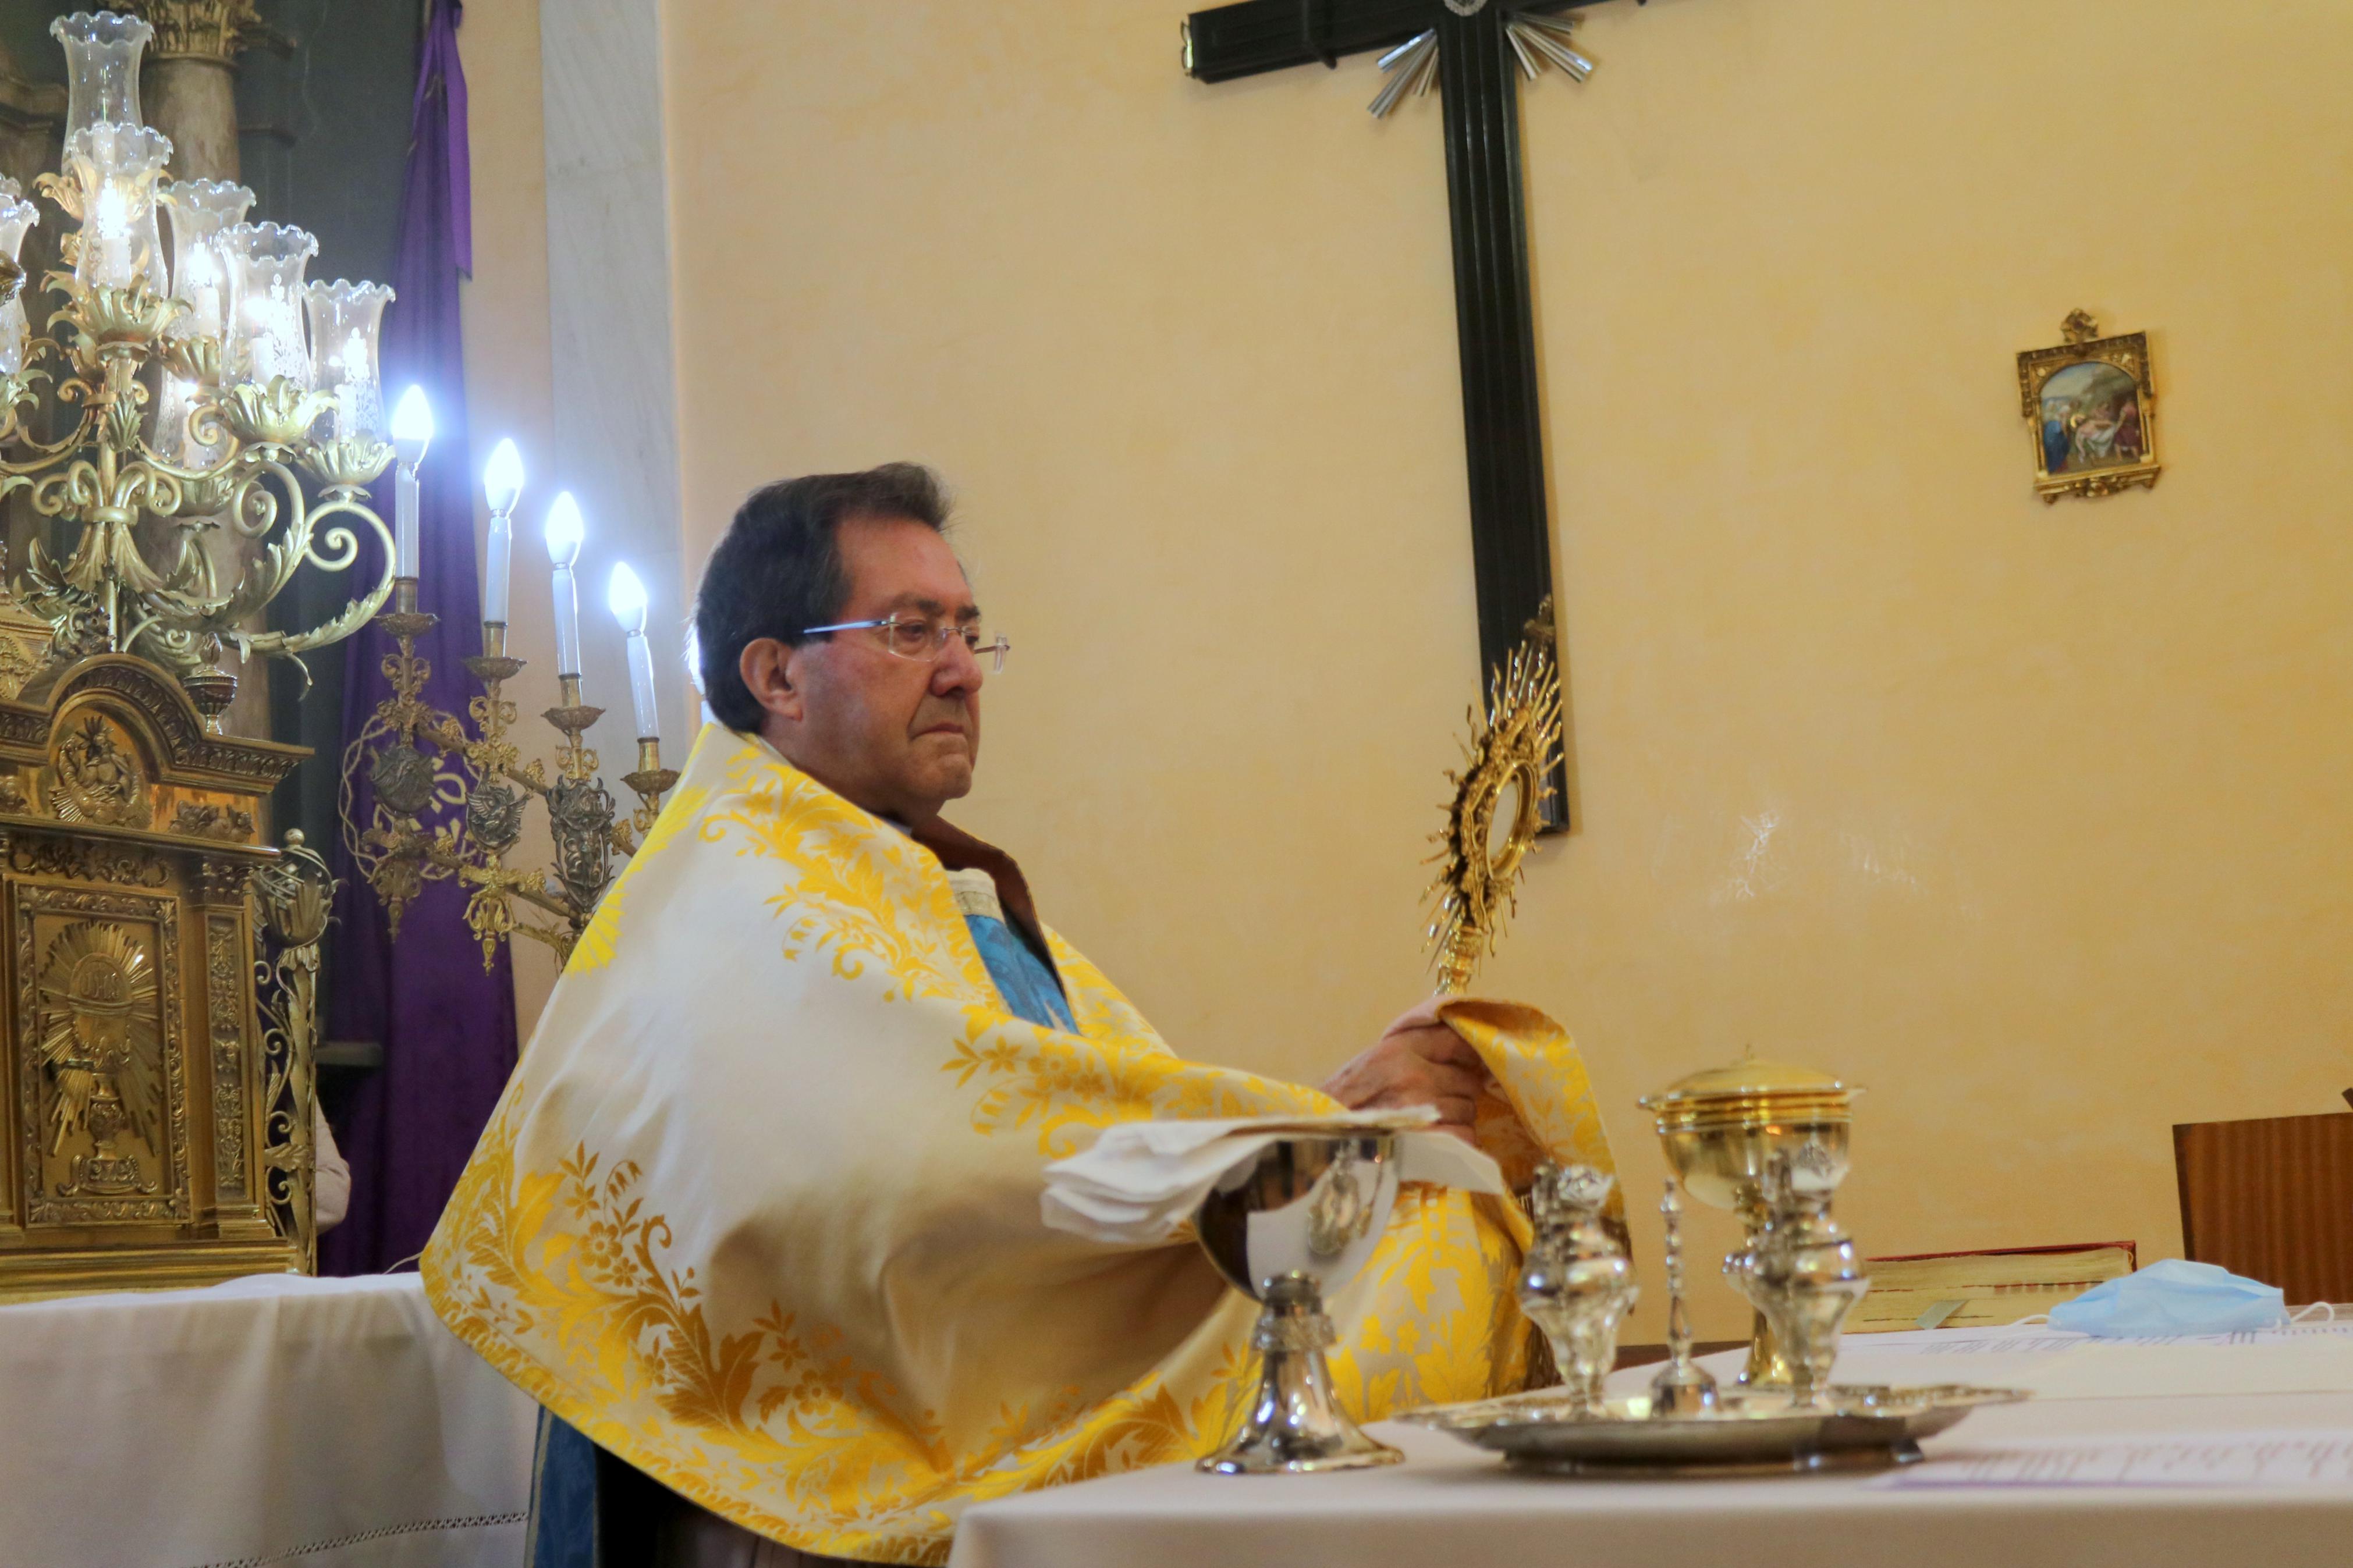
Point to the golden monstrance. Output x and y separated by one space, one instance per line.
1496 811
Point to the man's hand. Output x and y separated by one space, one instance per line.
1419 1062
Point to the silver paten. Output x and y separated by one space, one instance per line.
1748 1433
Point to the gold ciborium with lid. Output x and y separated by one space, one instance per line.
1723 1130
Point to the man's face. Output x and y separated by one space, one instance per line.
897 736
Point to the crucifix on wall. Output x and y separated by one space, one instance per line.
1468 49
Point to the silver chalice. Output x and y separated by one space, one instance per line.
1297 1220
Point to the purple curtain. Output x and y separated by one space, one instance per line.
447 1027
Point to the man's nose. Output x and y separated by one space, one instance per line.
958 670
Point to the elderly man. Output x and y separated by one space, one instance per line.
759 1213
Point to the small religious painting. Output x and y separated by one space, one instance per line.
2090 402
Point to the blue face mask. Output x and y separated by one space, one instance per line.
2173 1297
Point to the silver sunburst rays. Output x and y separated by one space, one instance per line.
1538 41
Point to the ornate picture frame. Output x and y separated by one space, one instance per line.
2090 406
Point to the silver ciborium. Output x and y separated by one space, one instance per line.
1722 1130
1299 1219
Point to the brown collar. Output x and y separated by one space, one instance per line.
960 851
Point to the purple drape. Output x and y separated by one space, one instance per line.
447 1027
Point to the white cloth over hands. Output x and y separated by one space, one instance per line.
1140 1181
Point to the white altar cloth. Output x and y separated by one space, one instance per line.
2218 1479
267 1421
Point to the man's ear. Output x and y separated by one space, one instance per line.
765 665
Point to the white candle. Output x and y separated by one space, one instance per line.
641 687
404 522
565 534
627 598
412 432
204 292
110 227
502 559
502 487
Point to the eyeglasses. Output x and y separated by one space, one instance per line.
923 639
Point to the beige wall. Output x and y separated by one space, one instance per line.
2031 818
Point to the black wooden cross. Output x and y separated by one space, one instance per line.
1503 424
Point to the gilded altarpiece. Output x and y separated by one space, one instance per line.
157 1122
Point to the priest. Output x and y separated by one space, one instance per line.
759 1211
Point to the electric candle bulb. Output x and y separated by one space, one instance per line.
626 596
565 534
412 426
412 432
502 487
566 530
502 477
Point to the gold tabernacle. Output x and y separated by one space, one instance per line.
162 963
159 1034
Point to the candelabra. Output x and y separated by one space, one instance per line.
238 400
162 1051
239 403
401 750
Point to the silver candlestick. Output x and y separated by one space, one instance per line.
1683 1387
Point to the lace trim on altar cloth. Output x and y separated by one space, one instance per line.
360 1537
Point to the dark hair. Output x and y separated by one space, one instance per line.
779 568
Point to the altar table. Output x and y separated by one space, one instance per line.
2215 1480
268 1421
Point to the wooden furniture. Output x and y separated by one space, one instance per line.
2270 1199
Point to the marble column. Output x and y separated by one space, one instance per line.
187 89
608 264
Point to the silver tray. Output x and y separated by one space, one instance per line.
1860 1428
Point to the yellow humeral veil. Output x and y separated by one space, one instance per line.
759 1211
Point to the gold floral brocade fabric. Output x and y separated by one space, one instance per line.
759 1210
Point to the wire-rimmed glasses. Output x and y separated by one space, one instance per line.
924 639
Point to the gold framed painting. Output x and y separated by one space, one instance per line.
2091 402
